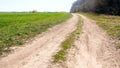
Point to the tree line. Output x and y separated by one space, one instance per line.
97 6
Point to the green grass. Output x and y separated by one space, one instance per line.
108 22
65 45
16 28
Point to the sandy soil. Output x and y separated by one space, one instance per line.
94 49
38 53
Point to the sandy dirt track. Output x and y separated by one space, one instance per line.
94 49
39 52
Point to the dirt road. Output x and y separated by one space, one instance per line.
93 49
38 53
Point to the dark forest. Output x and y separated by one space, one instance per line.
97 6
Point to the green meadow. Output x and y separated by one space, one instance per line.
16 28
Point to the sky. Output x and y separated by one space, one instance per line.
39 5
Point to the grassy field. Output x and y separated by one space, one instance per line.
108 22
16 28
65 45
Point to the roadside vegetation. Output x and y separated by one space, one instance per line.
16 28
108 22
65 45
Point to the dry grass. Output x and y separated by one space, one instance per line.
108 22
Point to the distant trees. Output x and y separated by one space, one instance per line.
33 11
84 5
97 6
